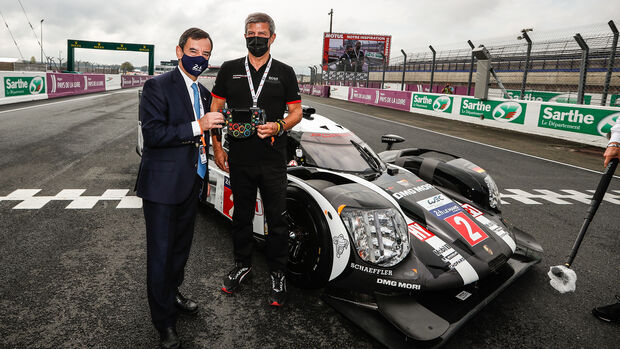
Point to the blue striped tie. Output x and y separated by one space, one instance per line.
202 168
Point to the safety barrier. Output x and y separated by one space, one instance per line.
22 87
29 86
585 124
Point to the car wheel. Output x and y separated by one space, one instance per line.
310 250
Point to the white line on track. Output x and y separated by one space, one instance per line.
466 140
67 100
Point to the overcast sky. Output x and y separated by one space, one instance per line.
299 24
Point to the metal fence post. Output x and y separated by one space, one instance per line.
527 62
610 63
318 77
583 69
311 75
345 75
432 68
471 68
368 75
384 67
402 82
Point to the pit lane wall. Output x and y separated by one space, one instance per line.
31 86
585 124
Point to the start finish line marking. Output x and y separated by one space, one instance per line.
31 202
28 200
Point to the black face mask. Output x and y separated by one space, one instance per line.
257 45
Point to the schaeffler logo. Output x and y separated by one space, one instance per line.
507 111
36 85
441 103
605 125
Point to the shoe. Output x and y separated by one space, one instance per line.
169 339
609 313
232 281
277 297
185 305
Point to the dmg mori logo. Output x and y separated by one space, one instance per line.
441 103
507 111
605 125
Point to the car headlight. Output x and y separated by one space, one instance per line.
379 235
494 196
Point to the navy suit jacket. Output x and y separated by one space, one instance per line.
168 168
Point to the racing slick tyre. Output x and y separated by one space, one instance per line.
310 248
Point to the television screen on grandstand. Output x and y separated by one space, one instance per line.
354 52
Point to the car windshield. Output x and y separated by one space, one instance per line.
336 151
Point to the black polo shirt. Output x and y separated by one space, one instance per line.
280 89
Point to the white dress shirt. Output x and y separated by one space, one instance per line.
188 82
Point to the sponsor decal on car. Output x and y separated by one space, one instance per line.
463 295
369 270
434 202
403 193
341 243
469 230
399 284
474 212
419 231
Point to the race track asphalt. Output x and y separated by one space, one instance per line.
73 262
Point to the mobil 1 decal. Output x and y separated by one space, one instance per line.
444 208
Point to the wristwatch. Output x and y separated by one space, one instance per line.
281 128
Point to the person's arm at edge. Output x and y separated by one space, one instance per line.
613 152
219 155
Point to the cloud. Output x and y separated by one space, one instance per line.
299 25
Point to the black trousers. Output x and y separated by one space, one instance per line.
169 234
271 180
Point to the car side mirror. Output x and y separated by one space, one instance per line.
391 139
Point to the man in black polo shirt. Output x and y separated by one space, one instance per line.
258 161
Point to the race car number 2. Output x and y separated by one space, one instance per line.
467 228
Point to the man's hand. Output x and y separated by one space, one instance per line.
211 120
221 158
611 153
267 130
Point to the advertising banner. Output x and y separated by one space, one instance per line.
92 83
543 96
354 52
440 103
614 100
400 100
503 111
112 82
128 81
339 92
23 85
575 119
63 84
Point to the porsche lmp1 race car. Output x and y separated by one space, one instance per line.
408 244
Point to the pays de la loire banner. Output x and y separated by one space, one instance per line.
441 103
576 119
502 111
400 100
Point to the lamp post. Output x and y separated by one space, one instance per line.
402 83
42 41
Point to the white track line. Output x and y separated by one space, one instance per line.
66 101
466 140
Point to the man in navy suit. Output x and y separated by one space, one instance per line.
174 117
